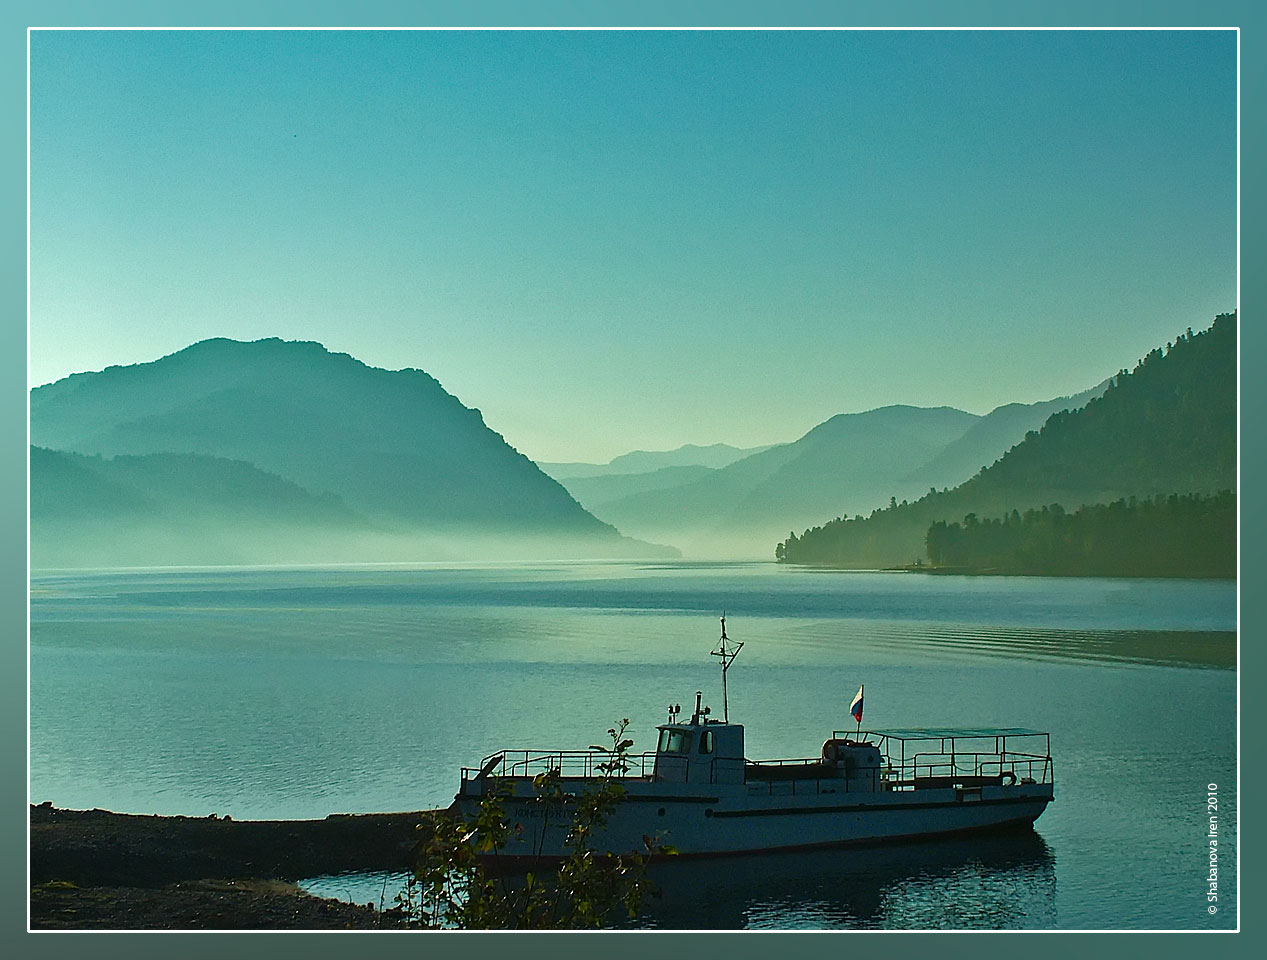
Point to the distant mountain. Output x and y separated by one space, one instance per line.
992 436
165 509
852 461
715 456
1168 427
392 446
73 487
593 492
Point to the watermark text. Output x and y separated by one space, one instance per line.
1212 838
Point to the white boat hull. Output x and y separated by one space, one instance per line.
767 817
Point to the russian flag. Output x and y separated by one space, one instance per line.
856 707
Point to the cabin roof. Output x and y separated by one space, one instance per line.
687 725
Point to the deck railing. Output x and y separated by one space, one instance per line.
919 770
923 770
946 759
569 763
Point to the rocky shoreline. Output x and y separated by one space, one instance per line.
93 869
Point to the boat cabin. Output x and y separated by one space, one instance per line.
710 752
701 750
704 750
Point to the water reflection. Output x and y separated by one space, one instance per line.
997 881
148 692
1192 648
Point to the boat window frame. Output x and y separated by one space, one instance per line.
676 742
707 743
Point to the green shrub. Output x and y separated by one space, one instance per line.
453 888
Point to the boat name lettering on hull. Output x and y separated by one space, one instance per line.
529 813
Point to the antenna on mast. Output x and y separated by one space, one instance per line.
727 656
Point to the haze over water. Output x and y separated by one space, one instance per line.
270 693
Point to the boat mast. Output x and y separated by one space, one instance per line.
727 656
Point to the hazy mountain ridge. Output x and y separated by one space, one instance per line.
387 455
740 509
849 463
992 436
168 483
593 492
853 458
393 446
1167 427
637 462
177 509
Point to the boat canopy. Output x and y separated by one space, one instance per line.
947 733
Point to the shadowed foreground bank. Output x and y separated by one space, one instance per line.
97 869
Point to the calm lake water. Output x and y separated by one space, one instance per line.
269 693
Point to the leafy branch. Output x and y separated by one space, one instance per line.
453 887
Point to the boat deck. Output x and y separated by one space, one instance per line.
911 759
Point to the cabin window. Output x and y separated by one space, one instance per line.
706 742
675 741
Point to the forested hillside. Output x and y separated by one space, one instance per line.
1187 536
1167 427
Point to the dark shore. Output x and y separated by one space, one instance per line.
93 869
1116 573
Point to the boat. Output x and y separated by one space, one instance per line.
698 794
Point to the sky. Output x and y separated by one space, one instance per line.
618 240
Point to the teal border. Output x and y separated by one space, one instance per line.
25 13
